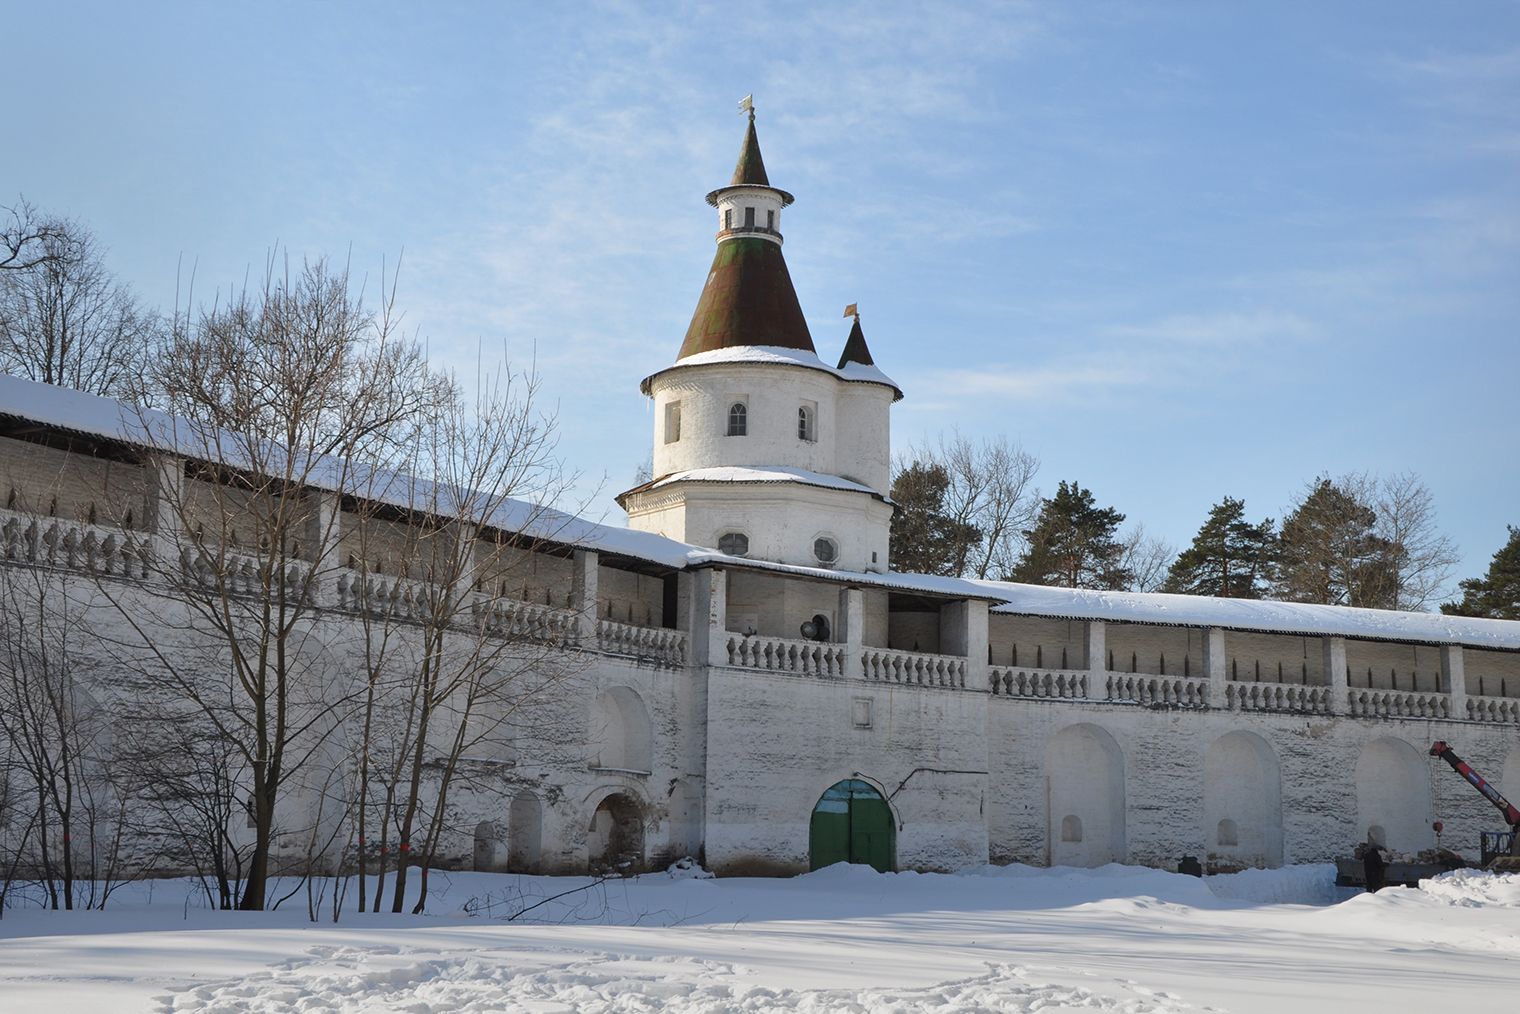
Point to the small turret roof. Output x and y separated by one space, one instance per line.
855 350
751 167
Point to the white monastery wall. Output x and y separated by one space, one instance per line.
801 736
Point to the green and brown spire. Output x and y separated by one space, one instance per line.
748 298
751 167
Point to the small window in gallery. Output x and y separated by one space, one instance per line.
749 218
673 422
738 419
733 544
805 423
825 550
728 218
770 220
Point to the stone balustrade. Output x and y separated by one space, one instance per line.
49 542
1158 691
1493 709
1042 683
381 596
1294 698
657 644
1396 704
914 668
780 654
526 621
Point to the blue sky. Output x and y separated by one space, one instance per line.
1180 251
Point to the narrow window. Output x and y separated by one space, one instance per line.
770 220
672 422
805 424
749 218
728 218
738 419
733 544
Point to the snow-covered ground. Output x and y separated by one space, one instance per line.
842 939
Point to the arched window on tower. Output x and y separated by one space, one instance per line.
805 429
738 419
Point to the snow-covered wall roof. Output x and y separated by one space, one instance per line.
103 417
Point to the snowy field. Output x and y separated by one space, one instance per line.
842 939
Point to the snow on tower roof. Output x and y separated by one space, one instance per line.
866 374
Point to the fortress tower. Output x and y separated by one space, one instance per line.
760 448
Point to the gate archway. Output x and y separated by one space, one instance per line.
852 824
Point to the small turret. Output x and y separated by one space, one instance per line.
748 298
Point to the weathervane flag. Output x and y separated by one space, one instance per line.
851 310
747 104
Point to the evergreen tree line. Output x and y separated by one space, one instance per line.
1355 540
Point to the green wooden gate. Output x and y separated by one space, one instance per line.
852 824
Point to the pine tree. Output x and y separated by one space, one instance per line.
924 539
1073 544
1330 552
1497 594
1229 557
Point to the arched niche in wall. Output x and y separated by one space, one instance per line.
485 847
525 832
685 835
1393 793
620 737
1242 803
1509 780
1084 775
615 840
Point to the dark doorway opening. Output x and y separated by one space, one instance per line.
852 824
616 844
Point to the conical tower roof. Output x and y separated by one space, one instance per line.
751 167
855 350
748 298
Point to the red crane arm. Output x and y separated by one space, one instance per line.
1511 814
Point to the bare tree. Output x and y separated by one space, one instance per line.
1423 557
66 320
449 661
987 504
1363 540
280 399
1148 558
27 237
56 734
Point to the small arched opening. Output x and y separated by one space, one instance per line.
525 829
485 847
852 823
616 842
1071 828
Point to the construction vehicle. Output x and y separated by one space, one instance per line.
1500 849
